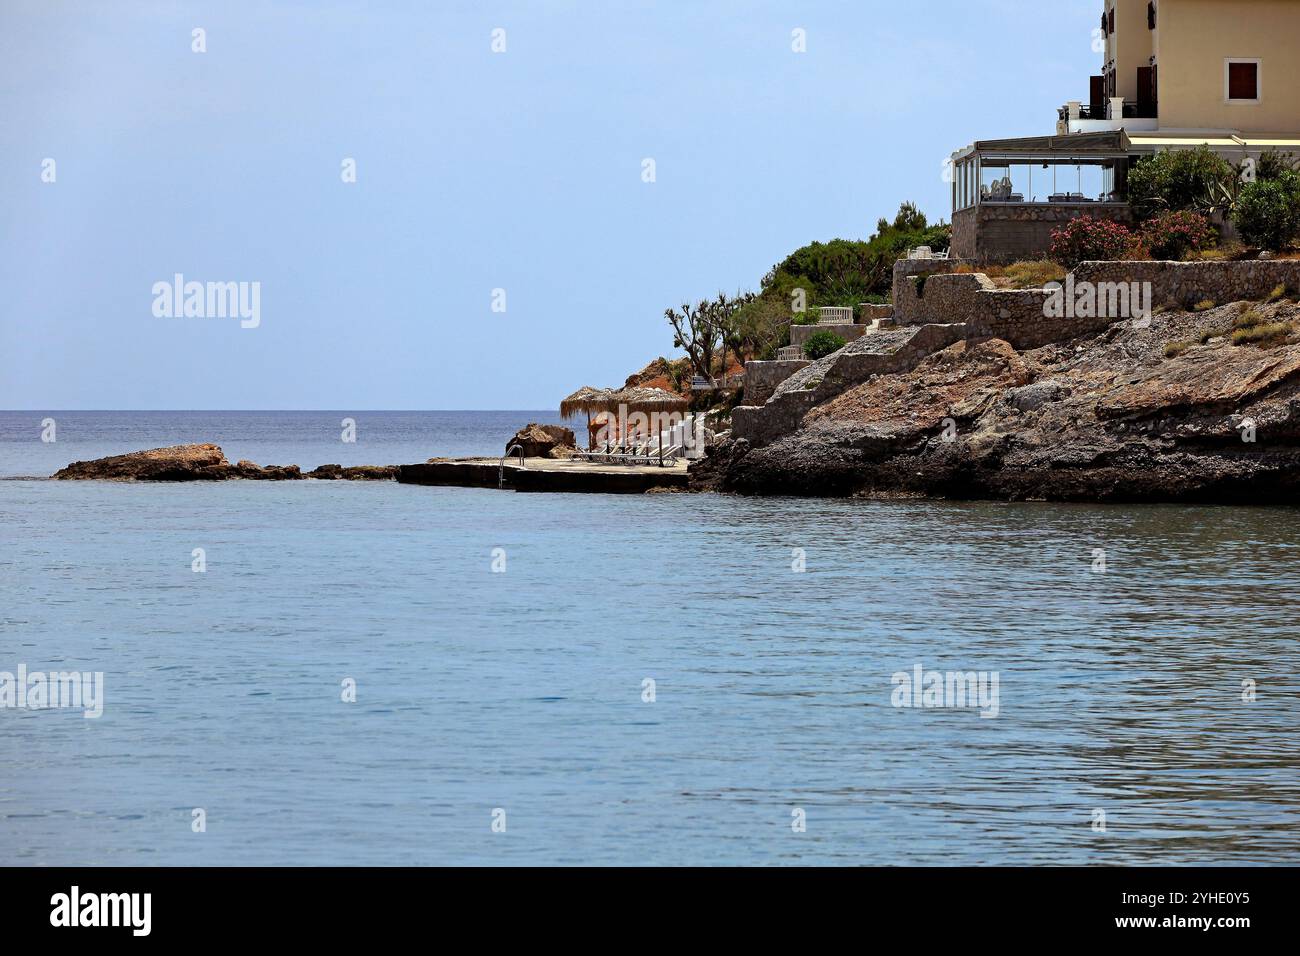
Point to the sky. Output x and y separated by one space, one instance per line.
500 245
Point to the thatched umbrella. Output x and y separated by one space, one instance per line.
641 398
587 399
638 398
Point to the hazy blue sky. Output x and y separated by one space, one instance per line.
476 170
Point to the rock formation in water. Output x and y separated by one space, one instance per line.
176 463
206 462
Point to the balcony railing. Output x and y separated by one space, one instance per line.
1133 109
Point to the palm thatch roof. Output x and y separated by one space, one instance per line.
639 398
586 399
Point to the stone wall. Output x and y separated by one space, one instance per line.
799 333
1184 284
886 352
762 378
1022 317
1008 232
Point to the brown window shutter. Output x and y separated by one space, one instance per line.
1243 81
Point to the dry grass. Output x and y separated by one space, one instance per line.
1269 333
1175 349
1252 327
1205 305
1028 274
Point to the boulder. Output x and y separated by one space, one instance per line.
544 441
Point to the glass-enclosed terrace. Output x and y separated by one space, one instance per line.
1079 169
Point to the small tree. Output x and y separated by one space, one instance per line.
1175 179
1268 214
1273 164
707 330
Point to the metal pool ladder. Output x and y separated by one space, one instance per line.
501 465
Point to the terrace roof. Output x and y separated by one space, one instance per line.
1111 144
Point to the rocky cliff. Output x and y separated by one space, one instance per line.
1178 406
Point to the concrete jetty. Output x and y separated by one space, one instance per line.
545 474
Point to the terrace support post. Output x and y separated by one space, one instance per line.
1115 109
1075 107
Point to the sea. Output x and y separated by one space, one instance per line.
344 673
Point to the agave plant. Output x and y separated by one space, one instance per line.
1220 197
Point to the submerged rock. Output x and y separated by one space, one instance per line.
353 473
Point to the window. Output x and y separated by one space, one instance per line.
1105 31
1112 20
1241 80
1151 16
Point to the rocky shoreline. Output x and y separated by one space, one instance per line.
1174 407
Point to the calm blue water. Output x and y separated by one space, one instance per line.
522 690
307 439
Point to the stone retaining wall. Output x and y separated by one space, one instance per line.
1023 318
799 333
1184 284
879 354
762 378
1007 232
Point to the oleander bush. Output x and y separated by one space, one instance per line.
1173 235
1086 239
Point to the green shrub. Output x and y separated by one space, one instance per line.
1085 238
811 316
1268 213
1177 179
1172 235
821 344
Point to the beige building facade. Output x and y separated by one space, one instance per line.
1174 74
1194 66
